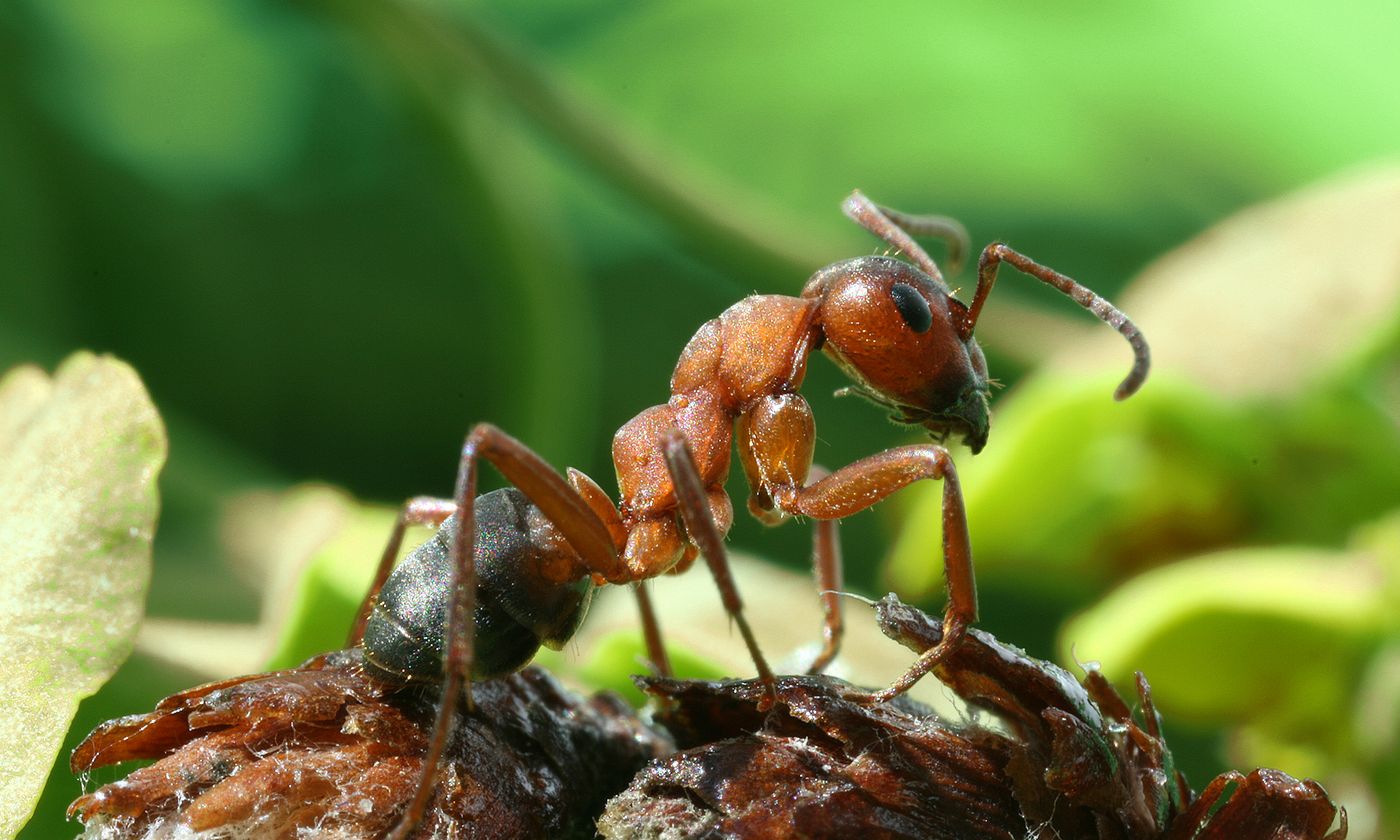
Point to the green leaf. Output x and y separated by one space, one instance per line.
118 73
1276 637
79 455
1278 300
1376 728
1076 490
985 107
614 657
332 545
1259 421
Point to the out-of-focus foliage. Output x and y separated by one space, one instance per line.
1274 429
1275 338
1295 647
331 548
79 455
334 234
1276 638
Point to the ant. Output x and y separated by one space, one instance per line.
514 569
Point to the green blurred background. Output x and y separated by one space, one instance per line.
333 234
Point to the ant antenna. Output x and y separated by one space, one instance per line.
946 228
997 253
863 212
898 230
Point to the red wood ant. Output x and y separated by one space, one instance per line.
522 563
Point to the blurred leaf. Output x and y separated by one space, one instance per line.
1075 490
1376 730
79 454
310 552
1278 300
551 295
1019 112
400 277
1320 465
1256 746
1381 540
119 72
1275 637
1377 722
449 51
1254 424
615 657
315 549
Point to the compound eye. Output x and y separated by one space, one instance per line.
912 307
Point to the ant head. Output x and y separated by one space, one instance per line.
907 342
896 332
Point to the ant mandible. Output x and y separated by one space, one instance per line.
534 553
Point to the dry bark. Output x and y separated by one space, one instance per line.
1071 760
322 747
325 748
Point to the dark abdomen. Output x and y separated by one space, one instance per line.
516 609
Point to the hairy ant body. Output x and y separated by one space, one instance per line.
515 569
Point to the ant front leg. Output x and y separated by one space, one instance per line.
860 485
598 500
565 509
701 528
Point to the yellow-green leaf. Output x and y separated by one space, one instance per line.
1277 637
79 455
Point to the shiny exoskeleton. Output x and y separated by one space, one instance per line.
892 326
517 609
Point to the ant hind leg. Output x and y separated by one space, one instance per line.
564 508
419 510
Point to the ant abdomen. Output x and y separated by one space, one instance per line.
520 603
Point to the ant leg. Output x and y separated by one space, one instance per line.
547 490
826 567
419 510
458 643
997 253
651 631
564 508
775 438
604 509
826 564
857 486
700 526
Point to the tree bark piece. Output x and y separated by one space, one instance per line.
1069 759
324 747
